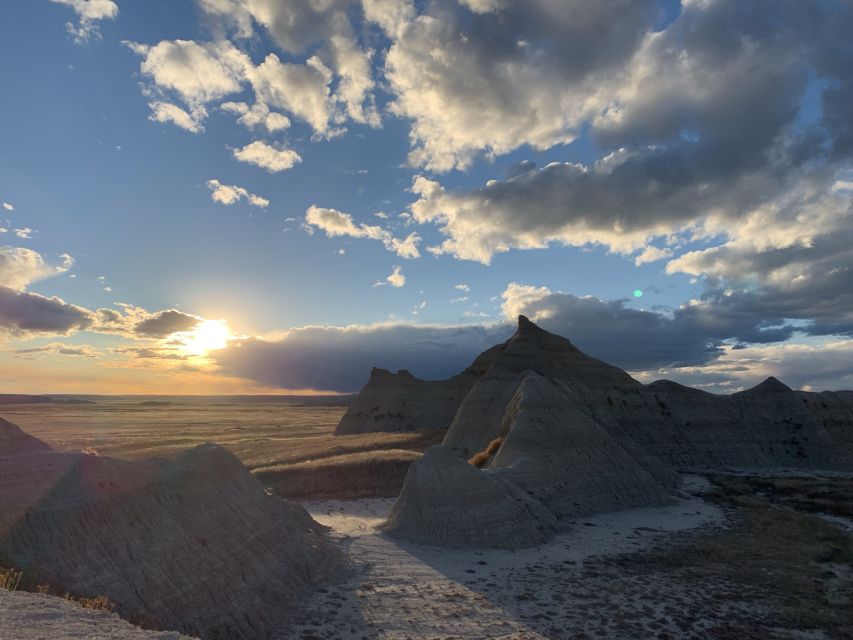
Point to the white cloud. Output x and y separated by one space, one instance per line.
463 287
815 366
229 194
473 83
89 12
395 279
166 112
301 89
198 73
194 73
298 28
24 233
19 267
8 207
257 115
337 223
271 158
651 254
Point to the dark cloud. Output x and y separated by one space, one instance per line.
710 118
163 323
340 359
22 312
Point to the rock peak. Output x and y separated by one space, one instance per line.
772 384
525 324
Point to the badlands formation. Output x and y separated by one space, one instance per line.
193 544
538 431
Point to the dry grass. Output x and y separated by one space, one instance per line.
794 566
482 458
10 579
100 603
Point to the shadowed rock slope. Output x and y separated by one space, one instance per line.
558 433
193 544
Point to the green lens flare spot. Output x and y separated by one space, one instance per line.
638 293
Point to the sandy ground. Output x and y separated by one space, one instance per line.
34 616
399 590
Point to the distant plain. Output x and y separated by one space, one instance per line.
263 431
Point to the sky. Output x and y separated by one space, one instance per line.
274 196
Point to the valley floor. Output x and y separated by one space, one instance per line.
742 558
671 572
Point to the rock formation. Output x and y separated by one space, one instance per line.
401 402
554 433
193 544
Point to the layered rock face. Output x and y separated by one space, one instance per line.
400 402
558 433
193 544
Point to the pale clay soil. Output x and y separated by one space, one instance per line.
571 587
562 589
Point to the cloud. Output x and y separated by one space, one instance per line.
147 353
8 207
164 323
60 348
25 233
680 344
340 358
197 72
462 287
20 266
229 194
166 112
191 72
257 115
89 12
322 30
24 313
337 223
827 365
300 89
271 158
396 279
529 72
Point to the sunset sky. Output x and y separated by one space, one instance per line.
254 196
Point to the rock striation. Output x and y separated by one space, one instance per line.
193 544
555 433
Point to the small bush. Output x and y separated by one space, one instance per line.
480 459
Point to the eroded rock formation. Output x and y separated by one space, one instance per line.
193 544
558 433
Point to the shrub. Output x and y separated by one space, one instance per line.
480 459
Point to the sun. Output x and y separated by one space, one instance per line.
207 336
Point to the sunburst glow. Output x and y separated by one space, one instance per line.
207 336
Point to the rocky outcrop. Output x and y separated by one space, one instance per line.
401 402
193 544
557 433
